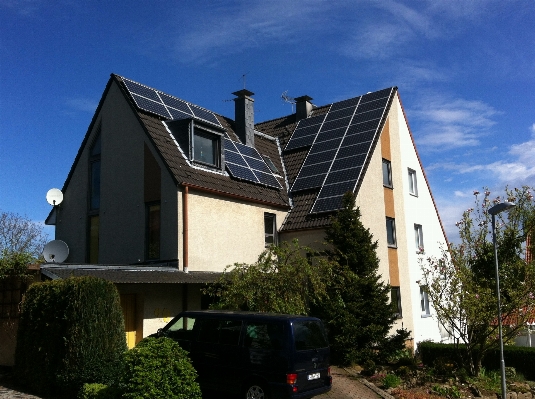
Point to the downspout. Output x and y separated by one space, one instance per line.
185 247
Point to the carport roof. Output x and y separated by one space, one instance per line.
129 274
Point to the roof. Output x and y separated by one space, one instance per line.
129 274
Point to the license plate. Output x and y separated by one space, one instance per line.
314 376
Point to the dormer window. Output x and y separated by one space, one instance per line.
206 148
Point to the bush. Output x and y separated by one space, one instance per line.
98 391
158 368
71 332
391 381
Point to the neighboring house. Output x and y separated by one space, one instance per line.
174 193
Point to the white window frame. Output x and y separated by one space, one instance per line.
424 301
413 184
419 237
397 305
270 218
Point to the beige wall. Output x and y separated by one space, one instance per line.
122 207
223 231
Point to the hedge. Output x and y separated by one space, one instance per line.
520 357
71 332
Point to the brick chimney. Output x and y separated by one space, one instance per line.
244 116
303 107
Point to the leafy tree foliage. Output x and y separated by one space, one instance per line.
462 284
358 312
283 280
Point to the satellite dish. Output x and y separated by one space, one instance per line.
56 251
54 196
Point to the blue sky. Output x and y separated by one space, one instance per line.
465 72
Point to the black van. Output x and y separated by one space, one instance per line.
259 355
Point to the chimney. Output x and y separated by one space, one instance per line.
303 107
244 116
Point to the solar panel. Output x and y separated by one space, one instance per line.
156 102
305 132
245 163
348 163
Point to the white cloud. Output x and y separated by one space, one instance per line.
456 123
82 104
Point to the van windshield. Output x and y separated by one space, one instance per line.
309 334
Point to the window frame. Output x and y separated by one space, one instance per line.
388 171
424 302
148 230
199 130
273 218
398 313
413 182
419 237
391 226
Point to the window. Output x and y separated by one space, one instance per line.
214 331
94 179
395 300
270 163
260 335
270 229
413 187
309 335
391 232
94 227
153 231
387 173
424 301
205 148
418 237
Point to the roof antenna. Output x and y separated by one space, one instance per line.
287 99
244 78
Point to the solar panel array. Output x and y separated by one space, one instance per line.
245 163
339 148
162 104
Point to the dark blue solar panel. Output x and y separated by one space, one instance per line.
308 182
357 149
245 163
343 113
241 172
151 106
362 125
358 138
346 163
320 157
364 107
327 204
339 176
376 95
266 178
204 114
305 132
336 124
344 104
176 114
331 134
325 145
316 169
140 90
176 103
339 188
373 114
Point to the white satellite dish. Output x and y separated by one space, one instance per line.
56 251
54 196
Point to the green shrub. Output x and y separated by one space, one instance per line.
158 368
70 332
450 392
391 381
98 391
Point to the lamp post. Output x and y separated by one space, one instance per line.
503 206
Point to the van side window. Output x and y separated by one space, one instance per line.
309 335
264 336
215 331
181 329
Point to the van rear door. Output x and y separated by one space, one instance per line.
312 355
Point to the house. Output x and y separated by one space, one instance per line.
163 194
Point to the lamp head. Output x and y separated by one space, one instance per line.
502 206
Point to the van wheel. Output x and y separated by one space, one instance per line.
256 391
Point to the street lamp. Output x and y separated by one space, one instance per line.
503 206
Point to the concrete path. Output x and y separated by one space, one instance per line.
345 386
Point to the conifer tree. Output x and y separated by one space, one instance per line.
358 312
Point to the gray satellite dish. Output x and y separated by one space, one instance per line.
54 196
56 251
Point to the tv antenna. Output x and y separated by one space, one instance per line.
287 99
244 78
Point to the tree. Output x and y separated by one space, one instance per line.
358 311
461 283
285 279
20 234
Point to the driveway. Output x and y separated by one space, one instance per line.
345 386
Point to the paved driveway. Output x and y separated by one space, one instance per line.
345 386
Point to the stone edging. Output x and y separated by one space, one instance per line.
368 384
